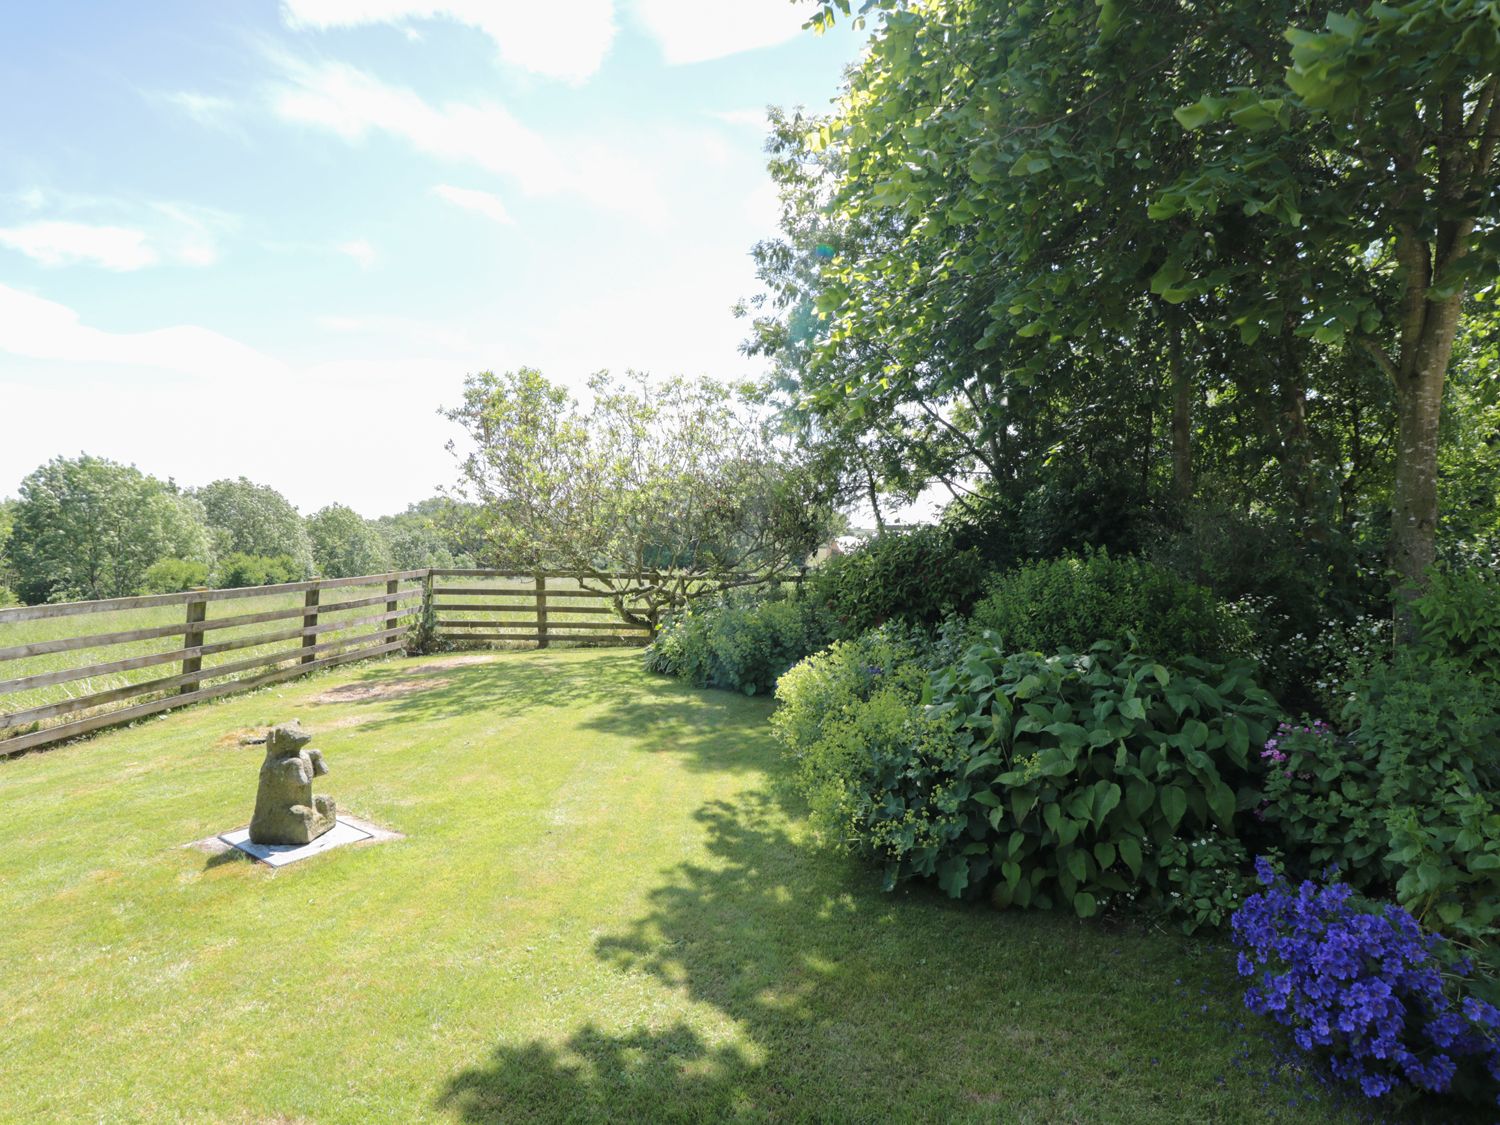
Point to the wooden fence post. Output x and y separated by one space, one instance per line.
541 610
309 620
197 613
392 610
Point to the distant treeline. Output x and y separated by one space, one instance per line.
88 527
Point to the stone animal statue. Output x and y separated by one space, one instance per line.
286 812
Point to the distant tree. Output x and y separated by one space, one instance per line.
681 480
7 575
428 534
345 544
254 519
91 528
241 569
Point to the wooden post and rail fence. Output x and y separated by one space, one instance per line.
46 697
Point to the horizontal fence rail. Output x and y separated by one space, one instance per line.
523 609
170 654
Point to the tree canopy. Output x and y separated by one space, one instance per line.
1095 266
679 478
88 527
345 544
254 519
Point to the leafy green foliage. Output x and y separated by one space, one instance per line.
1458 620
1405 804
918 577
1084 261
428 534
741 641
684 479
245 518
1048 781
831 734
1070 603
345 544
256 570
90 528
169 576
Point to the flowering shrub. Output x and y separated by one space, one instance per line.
1405 804
1388 1003
1320 797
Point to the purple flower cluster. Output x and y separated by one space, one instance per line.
1364 983
1273 752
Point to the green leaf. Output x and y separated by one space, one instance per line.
1173 804
1085 904
1130 852
1078 865
1139 797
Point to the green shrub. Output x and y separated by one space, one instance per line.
1045 781
1406 804
257 570
171 576
742 642
918 577
829 732
6 597
1458 619
1071 603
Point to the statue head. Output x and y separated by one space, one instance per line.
286 740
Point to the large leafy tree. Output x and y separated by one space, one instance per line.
1086 239
1402 103
88 527
973 224
254 519
429 533
345 544
680 482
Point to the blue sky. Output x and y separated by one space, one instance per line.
270 238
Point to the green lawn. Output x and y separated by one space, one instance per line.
603 909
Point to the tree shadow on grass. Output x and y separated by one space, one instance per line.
814 996
611 694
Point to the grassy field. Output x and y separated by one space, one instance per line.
604 908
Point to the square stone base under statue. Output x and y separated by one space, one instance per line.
279 855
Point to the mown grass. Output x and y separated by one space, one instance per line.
605 908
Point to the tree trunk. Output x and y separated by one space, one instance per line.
1419 403
1182 418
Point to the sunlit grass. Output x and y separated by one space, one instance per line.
604 909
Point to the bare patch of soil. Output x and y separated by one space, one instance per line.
239 739
385 689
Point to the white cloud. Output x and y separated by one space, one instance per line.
687 35
115 389
534 36
360 250
206 109
480 202
37 328
399 330
743 118
142 235
354 104
58 243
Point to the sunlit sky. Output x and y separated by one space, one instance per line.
270 237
